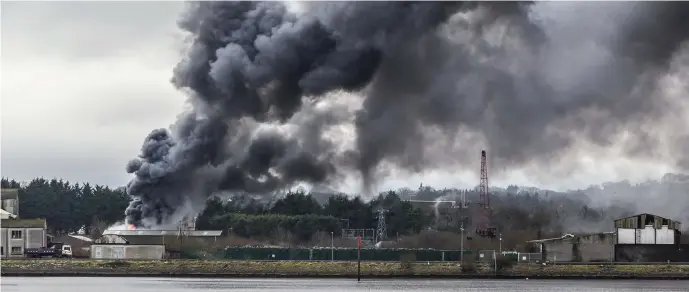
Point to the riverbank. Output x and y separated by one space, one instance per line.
327 269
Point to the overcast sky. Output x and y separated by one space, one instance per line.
84 83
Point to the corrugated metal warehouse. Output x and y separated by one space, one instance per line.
147 244
649 238
578 248
117 247
647 229
639 238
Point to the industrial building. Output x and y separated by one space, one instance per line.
9 203
647 229
17 234
148 244
151 244
111 246
649 238
597 247
639 238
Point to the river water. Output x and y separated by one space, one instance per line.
93 284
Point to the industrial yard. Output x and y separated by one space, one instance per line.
640 246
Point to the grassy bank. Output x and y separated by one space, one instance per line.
197 268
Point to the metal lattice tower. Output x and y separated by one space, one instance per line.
483 225
483 188
382 228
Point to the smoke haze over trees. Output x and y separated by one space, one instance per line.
519 213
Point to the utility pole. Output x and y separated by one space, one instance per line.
461 252
495 263
500 242
332 246
358 258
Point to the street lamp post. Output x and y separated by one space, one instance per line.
500 242
332 246
495 263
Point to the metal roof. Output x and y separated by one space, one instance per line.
80 237
647 214
192 233
111 239
8 214
566 236
569 236
23 223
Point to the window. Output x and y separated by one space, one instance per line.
16 234
16 250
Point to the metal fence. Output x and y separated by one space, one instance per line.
522 257
341 254
486 255
526 257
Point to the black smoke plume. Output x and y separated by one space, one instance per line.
439 80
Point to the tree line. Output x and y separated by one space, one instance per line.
69 207
299 215
302 216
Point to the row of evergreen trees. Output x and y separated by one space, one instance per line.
72 207
69 207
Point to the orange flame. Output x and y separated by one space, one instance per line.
131 227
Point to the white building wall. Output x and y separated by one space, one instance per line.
114 251
648 235
10 205
35 237
3 242
13 246
626 236
665 235
15 242
107 251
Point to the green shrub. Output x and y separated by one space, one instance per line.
266 225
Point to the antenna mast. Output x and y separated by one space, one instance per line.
483 225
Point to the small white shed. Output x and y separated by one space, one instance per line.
127 252
113 247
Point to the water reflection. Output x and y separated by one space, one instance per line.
89 284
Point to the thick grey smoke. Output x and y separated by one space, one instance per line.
439 81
